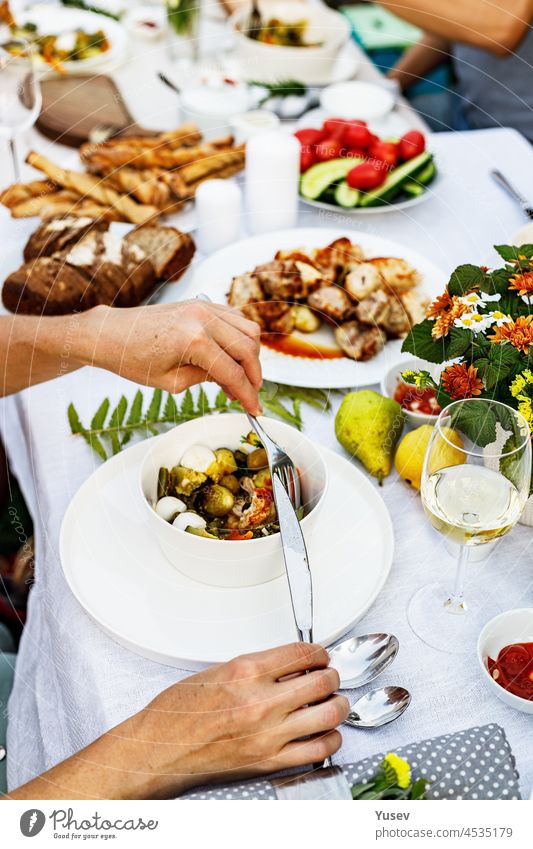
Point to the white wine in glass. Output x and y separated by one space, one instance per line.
20 93
475 483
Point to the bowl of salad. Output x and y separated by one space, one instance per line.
293 41
346 167
208 495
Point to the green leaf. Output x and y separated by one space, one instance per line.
155 405
510 253
97 421
221 400
504 355
420 343
477 421
281 412
464 278
187 405
170 410
74 420
460 341
202 403
359 789
496 282
117 416
418 790
96 445
136 410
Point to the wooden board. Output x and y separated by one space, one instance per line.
73 106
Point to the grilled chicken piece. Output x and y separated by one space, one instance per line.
259 510
374 309
294 254
287 279
336 259
359 341
362 280
396 322
415 306
397 274
245 289
272 316
331 302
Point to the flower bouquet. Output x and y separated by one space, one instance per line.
481 329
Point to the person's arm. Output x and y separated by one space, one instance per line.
172 346
236 720
494 25
419 60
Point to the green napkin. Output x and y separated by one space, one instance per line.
378 29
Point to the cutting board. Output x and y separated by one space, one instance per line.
73 106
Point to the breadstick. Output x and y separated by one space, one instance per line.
33 206
83 209
216 162
143 185
102 158
19 192
86 185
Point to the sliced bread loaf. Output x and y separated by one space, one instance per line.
169 250
58 234
47 286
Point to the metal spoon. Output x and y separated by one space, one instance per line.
378 707
359 660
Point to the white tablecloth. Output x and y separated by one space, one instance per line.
74 682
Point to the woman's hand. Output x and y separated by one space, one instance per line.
174 346
252 716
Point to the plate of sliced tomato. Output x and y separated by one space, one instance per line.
345 166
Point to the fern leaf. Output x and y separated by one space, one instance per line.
97 421
170 410
92 440
155 406
74 420
117 416
221 401
136 410
202 404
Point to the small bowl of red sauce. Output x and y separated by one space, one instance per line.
420 405
505 653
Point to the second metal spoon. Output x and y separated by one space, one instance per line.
378 707
359 660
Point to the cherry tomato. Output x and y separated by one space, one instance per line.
334 128
330 148
355 152
356 135
310 136
367 175
386 152
411 144
307 158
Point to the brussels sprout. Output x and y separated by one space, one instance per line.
263 478
184 480
163 482
225 464
258 459
240 459
216 500
305 320
231 482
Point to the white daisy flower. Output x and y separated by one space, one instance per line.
498 318
474 321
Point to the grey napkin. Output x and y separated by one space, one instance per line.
476 763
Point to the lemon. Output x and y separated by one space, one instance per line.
409 459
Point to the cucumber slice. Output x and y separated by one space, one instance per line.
317 178
396 180
426 174
346 196
413 188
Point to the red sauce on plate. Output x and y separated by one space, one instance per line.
417 400
299 348
513 669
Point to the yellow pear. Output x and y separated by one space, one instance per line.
368 426
409 459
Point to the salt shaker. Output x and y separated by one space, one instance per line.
218 214
272 174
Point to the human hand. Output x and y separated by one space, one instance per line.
174 346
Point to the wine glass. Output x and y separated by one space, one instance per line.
20 93
475 483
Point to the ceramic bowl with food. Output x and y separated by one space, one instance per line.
225 562
392 386
305 41
512 628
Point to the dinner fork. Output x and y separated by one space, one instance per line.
514 193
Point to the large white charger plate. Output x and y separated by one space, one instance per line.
54 19
213 276
114 567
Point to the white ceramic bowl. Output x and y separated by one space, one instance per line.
226 563
390 381
354 99
513 626
273 62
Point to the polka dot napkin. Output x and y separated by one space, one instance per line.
473 764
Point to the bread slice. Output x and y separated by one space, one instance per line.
169 250
47 286
59 233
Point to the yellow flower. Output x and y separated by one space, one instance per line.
392 763
525 408
520 382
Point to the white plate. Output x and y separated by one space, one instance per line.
374 210
213 276
115 569
53 19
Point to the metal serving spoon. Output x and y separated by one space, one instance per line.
359 660
378 707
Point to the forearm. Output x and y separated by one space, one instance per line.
35 349
494 25
419 60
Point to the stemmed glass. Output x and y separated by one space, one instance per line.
20 93
475 483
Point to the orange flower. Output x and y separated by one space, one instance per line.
522 283
444 322
461 381
519 333
441 302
